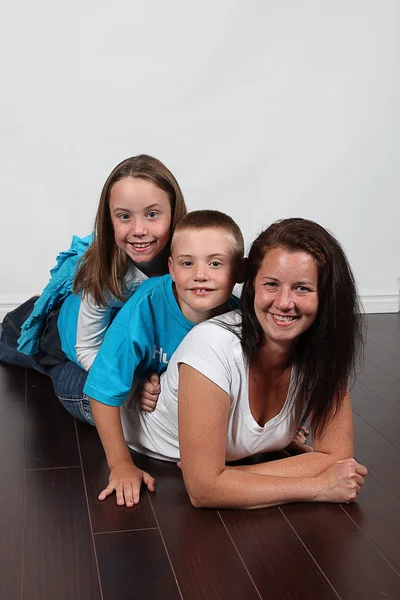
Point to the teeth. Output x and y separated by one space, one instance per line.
145 245
284 319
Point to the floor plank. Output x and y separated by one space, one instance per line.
388 322
50 430
389 392
12 469
134 564
373 375
384 339
377 514
378 455
352 564
378 413
203 556
276 559
59 558
388 362
106 515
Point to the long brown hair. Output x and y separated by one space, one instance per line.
104 264
325 354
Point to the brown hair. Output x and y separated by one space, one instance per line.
205 219
325 354
104 264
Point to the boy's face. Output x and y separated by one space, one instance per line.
204 270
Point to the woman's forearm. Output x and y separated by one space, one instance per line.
108 423
235 488
308 464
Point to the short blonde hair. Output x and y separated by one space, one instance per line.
214 219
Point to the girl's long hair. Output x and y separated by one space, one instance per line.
325 355
104 264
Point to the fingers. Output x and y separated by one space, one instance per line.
149 481
361 470
149 395
127 491
154 379
147 404
106 492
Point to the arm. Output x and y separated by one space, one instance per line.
203 415
93 322
108 383
125 477
334 444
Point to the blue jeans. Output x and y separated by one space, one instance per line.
68 382
68 379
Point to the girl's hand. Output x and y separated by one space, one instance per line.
341 482
301 435
149 393
126 479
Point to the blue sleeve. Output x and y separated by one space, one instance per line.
127 350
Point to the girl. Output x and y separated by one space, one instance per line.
140 204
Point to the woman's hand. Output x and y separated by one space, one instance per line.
149 393
341 481
126 479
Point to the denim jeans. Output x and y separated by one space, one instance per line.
68 382
68 379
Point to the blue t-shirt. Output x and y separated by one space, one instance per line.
142 337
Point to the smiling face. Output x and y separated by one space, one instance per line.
204 268
286 295
141 217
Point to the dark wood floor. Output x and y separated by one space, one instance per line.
58 542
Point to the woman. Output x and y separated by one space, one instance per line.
245 381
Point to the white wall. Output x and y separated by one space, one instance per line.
261 108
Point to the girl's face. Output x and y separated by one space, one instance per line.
141 217
286 295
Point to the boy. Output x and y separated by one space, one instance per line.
206 261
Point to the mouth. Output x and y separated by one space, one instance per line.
140 247
201 291
283 320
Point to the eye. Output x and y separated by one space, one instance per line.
186 263
302 288
216 263
153 214
123 216
270 285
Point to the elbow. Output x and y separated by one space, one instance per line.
202 495
201 501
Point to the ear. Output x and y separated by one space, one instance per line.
241 271
171 268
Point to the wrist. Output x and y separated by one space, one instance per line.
316 489
116 461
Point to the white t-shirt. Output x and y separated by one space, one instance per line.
94 320
217 353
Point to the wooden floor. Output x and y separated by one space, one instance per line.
58 542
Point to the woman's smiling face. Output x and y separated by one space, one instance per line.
286 294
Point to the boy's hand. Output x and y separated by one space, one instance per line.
126 479
149 393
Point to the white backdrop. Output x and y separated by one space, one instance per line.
261 108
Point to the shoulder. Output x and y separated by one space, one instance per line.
149 289
151 292
220 334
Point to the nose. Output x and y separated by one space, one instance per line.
200 273
138 227
284 300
